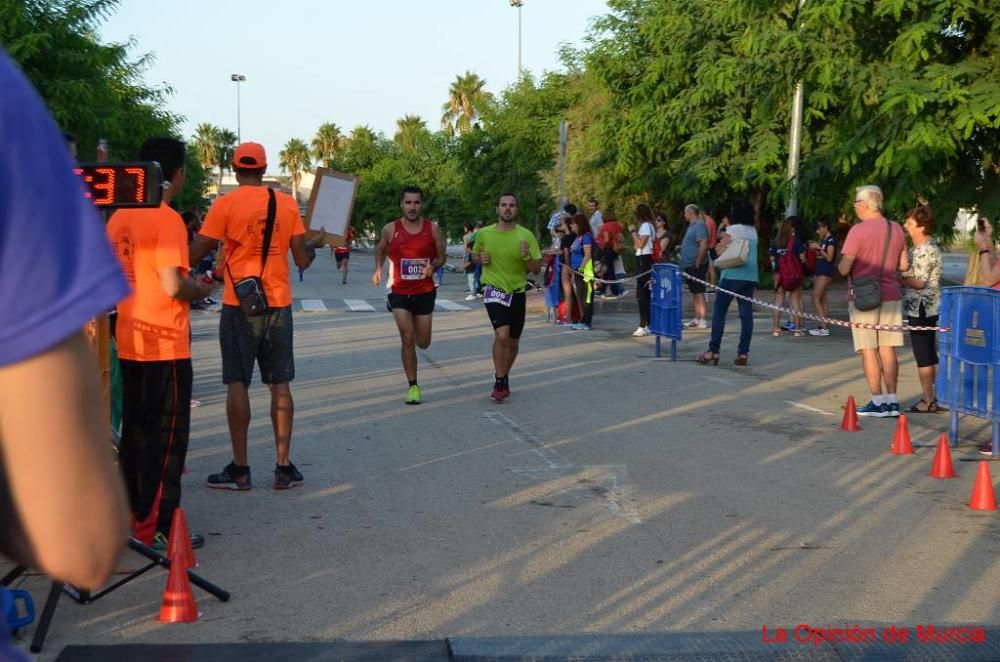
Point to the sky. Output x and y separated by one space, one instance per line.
351 63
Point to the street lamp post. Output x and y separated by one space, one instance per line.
795 145
238 78
518 3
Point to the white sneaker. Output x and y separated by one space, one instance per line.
640 332
622 295
819 332
702 324
691 324
471 297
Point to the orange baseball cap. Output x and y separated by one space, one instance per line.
250 155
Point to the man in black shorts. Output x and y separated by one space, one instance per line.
508 252
240 219
415 247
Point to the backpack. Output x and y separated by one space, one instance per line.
790 269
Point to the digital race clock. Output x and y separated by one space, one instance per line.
118 185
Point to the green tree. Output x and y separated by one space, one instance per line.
195 183
294 159
328 143
206 145
226 149
94 90
466 97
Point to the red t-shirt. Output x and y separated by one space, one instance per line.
713 231
409 254
866 243
607 233
348 239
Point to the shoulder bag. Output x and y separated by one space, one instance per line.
250 290
868 291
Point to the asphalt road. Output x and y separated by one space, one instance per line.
612 493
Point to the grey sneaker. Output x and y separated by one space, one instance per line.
873 410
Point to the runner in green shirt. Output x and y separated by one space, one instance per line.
507 252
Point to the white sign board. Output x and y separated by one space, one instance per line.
331 204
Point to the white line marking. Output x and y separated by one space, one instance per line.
313 306
808 408
359 306
728 382
451 305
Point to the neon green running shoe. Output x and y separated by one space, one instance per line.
413 395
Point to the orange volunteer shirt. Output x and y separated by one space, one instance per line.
239 219
151 326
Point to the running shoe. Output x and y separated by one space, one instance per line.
232 477
413 395
820 333
285 477
891 409
873 410
641 332
985 449
580 326
161 542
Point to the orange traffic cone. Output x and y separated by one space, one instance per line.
983 496
179 544
178 600
942 460
850 421
901 440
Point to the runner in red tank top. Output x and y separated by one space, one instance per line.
415 247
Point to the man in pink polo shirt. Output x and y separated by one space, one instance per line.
865 256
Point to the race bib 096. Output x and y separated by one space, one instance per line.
412 268
493 295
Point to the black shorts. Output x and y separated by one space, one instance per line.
697 272
418 304
924 342
266 339
512 315
339 257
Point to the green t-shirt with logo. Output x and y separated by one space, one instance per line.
506 269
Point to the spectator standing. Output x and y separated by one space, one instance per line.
922 300
875 248
468 265
661 249
239 219
826 252
989 269
642 238
694 262
611 243
739 280
713 239
580 258
565 271
788 255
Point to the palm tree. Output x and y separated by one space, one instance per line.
466 97
328 143
294 159
226 148
409 130
206 145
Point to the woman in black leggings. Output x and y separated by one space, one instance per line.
642 238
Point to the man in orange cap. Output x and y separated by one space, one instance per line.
240 219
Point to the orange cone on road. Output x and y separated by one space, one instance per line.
983 496
901 440
178 601
850 421
942 460
179 544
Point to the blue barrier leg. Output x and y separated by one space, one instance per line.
996 440
953 428
673 350
657 346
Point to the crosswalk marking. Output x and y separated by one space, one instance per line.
313 306
359 305
451 305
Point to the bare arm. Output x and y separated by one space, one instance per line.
845 264
989 265
381 251
442 256
62 473
200 247
182 288
904 261
303 252
702 251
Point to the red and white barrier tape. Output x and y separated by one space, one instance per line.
810 316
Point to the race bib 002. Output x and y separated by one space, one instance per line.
412 268
493 295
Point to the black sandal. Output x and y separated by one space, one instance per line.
932 407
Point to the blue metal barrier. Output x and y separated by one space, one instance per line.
968 380
665 314
553 291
